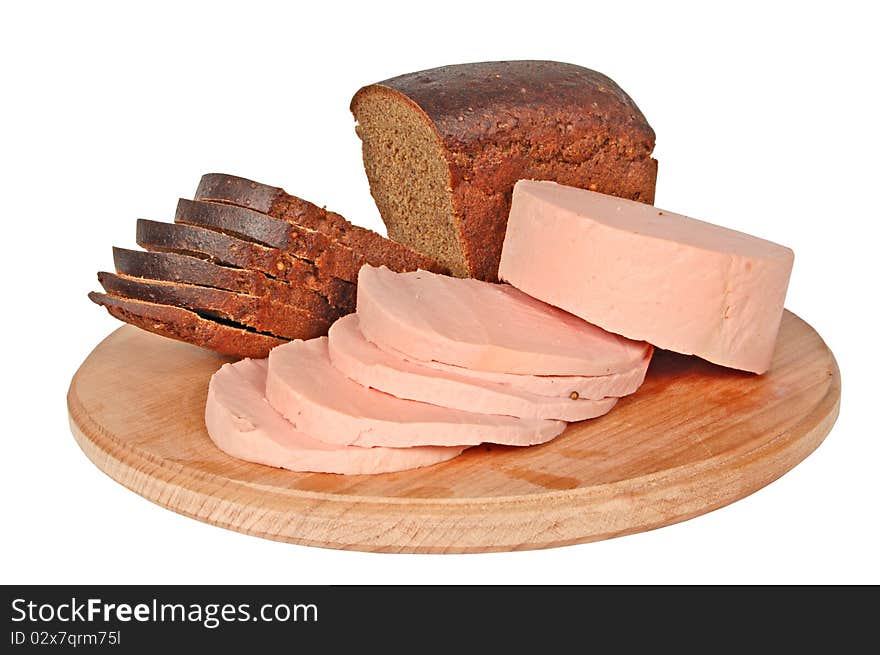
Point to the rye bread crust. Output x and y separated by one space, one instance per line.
333 258
257 313
277 203
172 267
498 122
184 325
220 187
225 249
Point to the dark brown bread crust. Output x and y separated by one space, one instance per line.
254 312
504 121
171 267
229 250
244 223
331 257
220 187
274 201
184 325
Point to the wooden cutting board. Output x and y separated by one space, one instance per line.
694 438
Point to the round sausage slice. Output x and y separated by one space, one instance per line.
484 326
242 424
372 367
616 385
321 401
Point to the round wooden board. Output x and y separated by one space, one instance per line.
694 438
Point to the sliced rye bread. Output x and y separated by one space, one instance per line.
172 267
274 201
260 314
218 247
329 256
184 325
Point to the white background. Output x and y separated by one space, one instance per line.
766 121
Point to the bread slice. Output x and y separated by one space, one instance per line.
172 267
274 201
184 325
332 258
443 148
260 314
229 250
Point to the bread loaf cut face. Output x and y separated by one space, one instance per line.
409 175
443 148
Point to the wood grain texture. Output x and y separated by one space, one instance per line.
694 438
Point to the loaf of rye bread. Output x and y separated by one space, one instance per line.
277 203
185 325
443 148
253 312
172 267
332 258
229 250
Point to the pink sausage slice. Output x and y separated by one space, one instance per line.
614 385
318 399
679 283
369 366
242 424
484 326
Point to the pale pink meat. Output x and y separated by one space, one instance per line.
363 362
484 326
649 274
242 424
613 385
321 401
